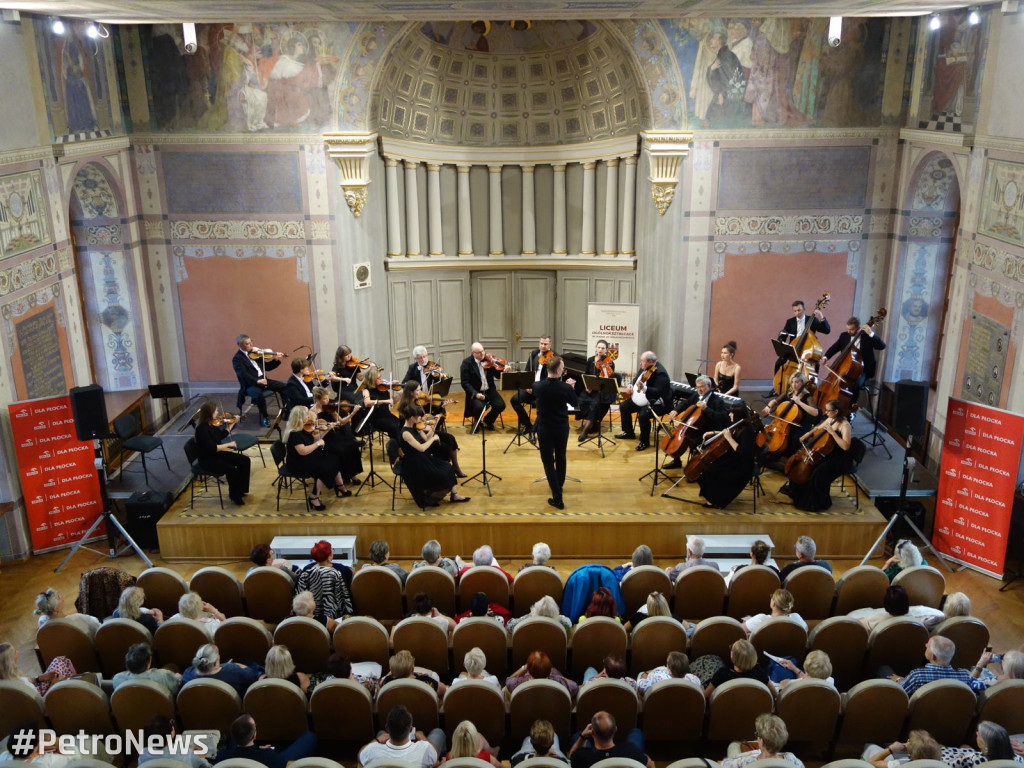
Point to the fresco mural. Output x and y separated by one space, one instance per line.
952 72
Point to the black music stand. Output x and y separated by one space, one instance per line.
657 475
374 477
441 388
873 439
785 352
519 381
483 475
165 392
691 378
597 385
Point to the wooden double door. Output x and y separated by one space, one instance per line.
511 310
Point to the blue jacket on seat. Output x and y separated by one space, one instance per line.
581 585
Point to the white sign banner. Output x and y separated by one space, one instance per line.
619 325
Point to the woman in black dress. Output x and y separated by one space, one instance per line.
428 477
219 456
593 405
336 430
814 495
727 371
723 480
306 456
378 393
346 375
447 447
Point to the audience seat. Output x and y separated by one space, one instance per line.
734 706
113 639
486 579
220 588
279 709
333 696
314 762
925 585
969 635
176 642
814 590
605 694
62 637
652 640
873 713
486 634
551 762
377 592
898 643
539 700
268 594
674 711
699 593
810 709
20 706
308 641
1003 703
845 640
362 638
243 639
944 708
240 762
467 762
862 586
136 702
426 640
618 762
640 582
437 583
694 762
418 697
715 636
780 637
594 639
480 703
750 591
208 704
531 584
75 705
539 633
163 587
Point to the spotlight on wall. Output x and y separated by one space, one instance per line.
57 26
934 22
974 18
835 31
188 32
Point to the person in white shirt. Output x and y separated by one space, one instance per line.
403 742
475 662
781 604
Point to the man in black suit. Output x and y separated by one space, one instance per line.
524 396
798 323
480 386
656 393
426 379
296 391
715 408
252 375
553 397
867 341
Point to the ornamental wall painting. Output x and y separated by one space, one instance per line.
1002 205
24 222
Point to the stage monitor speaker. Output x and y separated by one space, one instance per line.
90 412
144 510
910 411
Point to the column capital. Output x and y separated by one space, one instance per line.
665 150
433 167
590 165
390 161
495 168
352 152
559 167
612 162
410 165
463 167
628 159
528 167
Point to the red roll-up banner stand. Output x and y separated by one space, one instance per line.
978 472
58 473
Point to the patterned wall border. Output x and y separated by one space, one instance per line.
789 225
1002 209
34 270
851 247
1004 294
996 260
236 229
297 252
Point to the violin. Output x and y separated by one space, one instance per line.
604 366
436 401
362 365
266 355
544 358
707 453
498 363
386 386
426 422
225 419
316 375
309 425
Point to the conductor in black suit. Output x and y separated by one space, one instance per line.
480 385
656 392
716 411
553 398
252 375
296 391
798 323
867 341
524 396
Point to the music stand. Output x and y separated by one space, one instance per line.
483 475
785 352
441 387
599 385
165 392
691 379
374 477
519 380
657 475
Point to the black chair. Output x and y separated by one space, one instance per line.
126 427
199 472
395 460
244 441
857 452
278 451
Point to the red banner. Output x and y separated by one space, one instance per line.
58 474
979 464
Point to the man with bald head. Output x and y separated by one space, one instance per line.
597 742
655 390
481 387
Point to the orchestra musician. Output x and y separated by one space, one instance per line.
709 401
218 455
537 363
307 458
296 390
814 496
727 371
478 382
868 342
339 437
594 406
553 398
798 323
428 477
651 387
347 375
425 378
377 392
447 447
723 480
252 375
799 395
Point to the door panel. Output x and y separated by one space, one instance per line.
533 312
492 311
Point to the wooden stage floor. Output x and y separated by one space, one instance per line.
607 514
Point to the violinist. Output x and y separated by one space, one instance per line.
722 481
218 455
650 390
252 374
296 390
428 477
346 375
800 396
377 394
798 323
553 397
478 377
539 358
594 406
714 406
336 430
813 495
425 374
868 342
727 371
307 458
447 447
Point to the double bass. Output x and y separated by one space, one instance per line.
841 383
808 351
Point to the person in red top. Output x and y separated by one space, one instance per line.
484 555
478 606
467 741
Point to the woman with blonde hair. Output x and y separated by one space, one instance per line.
772 736
906 555
743 656
919 746
304 604
192 606
280 666
129 606
657 605
467 741
60 668
307 457
377 395
781 604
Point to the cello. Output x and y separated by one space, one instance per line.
802 464
808 350
682 437
842 381
784 419
708 452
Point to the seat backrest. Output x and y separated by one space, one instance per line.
177 640
74 705
205 703
19 706
486 634
857 452
716 636
944 708
136 702
750 591
674 711
315 762
734 706
220 588
362 638
810 709
780 636
873 712
486 579
652 640
243 639
1003 703
279 709
898 643
126 425
163 588
337 695
616 697
239 762
617 762
426 639
479 702
62 637
533 583
925 585
701 762
554 762
114 638
418 697
862 586
538 700
191 452
277 452
268 594
377 592
969 635
845 640
437 583
539 633
391 449
467 762
699 593
640 582
813 589
308 641
594 639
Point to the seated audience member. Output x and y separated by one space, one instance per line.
162 730
694 556
263 555
956 604
642 555
402 742
467 741
366 673
483 555
538 667
602 603
817 666
192 606
1012 664
542 742
613 668
759 554
771 740
743 656
596 742
304 605
993 744
939 652
919 746
480 607
280 666
546 607
781 604
541 555
805 549
896 602
432 556
138 663
130 607
206 664
423 605
25 745
676 665
656 605
327 582
59 669
50 605
380 555
403 665
475 662
906 555
243 738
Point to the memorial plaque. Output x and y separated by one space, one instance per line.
39 347
987 344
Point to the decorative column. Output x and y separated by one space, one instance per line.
393 212
352 152
496 238
611 206
412 210
589 246
558 241
436 241
529 213
665 150
628 206
465 211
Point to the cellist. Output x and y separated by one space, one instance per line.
713 404
800 396
798 323
723 480
814 496
868 341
